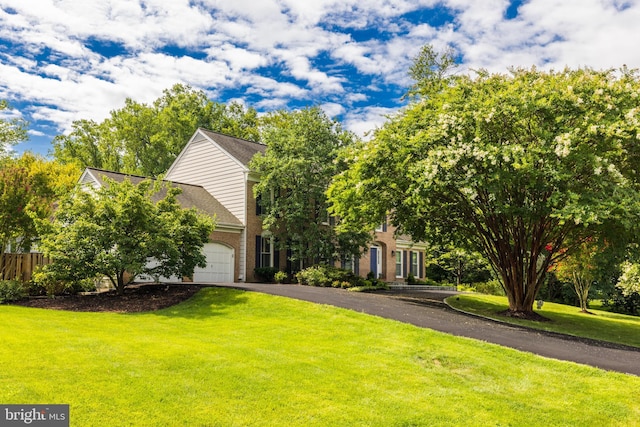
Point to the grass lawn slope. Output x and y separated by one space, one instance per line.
234 358
600 325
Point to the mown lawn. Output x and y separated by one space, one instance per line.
566 319
234 358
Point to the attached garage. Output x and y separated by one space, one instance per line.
220 264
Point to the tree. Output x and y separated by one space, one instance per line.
117 231
145 139
580 270
29 187
300 160
458 265
521 167
12 130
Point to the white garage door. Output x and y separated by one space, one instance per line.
219 264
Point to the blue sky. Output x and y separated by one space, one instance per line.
65 60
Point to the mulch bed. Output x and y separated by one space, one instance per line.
136 298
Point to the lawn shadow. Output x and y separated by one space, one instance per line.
207 303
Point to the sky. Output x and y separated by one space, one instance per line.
66 60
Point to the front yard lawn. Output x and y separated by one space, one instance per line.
233 358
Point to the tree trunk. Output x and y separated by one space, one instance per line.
120 286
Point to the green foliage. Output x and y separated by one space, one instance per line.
266 274
629 281
491 287
12 130
300 160
620 301
625 297
46 284
117 230
29 187
145 139
520 167
12 290
413 280
329 276
280 277
457 265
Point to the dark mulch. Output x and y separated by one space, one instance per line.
136 299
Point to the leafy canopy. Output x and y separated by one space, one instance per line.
29 187
145 139
520 167
12 129
118 231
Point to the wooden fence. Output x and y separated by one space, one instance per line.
20 266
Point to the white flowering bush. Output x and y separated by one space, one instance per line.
629 281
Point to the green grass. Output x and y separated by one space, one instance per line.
566 319
234 358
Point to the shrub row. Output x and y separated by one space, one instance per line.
323 275
14 290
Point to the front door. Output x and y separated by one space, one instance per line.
375 256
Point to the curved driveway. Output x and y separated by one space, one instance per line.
411 308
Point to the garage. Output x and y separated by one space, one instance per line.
220 263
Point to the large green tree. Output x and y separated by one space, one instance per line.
12 129
145 139
29 187
521 167
117 231
300 160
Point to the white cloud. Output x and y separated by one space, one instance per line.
224 46
363 121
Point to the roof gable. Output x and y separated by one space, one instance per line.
192 196
240 149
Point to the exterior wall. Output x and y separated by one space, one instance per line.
253 229
389 245
204 163
232 239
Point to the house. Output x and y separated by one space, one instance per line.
220 164
213 172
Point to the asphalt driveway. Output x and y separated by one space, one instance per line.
425 309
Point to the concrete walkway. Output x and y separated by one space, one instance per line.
425 309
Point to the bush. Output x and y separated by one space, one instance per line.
266 274
12 290
324 275
411 280
622 302
280 277
314 276
492 287
44 283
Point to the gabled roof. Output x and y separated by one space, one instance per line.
241 149
192 196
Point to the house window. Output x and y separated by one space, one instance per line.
348 264
399 264
265 253
259 205
382 227
414 264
